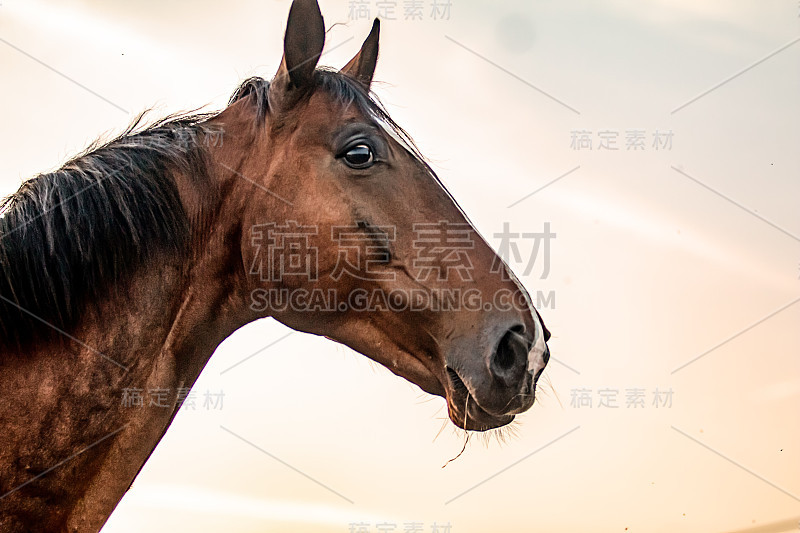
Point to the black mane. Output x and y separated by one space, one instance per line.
68 236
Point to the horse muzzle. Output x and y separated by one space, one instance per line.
486 392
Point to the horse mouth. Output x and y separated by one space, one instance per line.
465 412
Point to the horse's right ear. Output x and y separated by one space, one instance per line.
362 66
302 46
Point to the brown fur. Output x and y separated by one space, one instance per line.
61 413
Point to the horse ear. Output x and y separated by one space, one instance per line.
302 47
362 66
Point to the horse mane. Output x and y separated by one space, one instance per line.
68 236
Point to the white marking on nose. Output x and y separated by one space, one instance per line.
536 355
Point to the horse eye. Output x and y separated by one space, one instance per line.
359 156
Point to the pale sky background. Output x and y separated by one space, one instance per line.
650 269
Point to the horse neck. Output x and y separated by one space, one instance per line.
195 302
156 329
207 301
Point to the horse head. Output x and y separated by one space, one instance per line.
351 235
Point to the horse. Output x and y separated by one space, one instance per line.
302 200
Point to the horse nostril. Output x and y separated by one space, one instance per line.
510 359
505 355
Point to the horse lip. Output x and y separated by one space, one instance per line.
460 398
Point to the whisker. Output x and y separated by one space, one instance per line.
444 425
518 395
462 450
555 392
466 407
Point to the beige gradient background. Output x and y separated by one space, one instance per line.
649 269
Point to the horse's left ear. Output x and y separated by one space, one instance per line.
362 66
302 47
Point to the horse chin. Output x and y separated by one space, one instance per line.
477 419
466 414
458 398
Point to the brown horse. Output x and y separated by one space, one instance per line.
303 201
